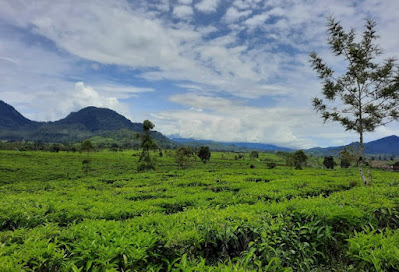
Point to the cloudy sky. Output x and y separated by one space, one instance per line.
208 69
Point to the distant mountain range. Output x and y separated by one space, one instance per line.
387 145
230 146
105 125
77 126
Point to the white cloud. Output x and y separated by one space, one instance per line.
124 89
183 11
207 6
246 4
84 96
185 2
233 14
201 102
221 57
56 104
221 119
33 82
257 20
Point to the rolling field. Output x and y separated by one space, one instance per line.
219 216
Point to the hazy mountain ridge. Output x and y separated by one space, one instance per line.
92 121
77 126
386 145
230 146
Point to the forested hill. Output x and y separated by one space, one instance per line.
77 126
386 145
11 119
95 119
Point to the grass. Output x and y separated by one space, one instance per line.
219 216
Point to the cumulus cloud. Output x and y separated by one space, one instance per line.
257 52
233 14
207 6
73 97
84 96
185 2
225 120
183 11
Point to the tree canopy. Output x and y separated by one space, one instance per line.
86 146
204 154
184 156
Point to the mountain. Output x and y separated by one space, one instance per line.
77 126
11 119
230 146
387 145
95 119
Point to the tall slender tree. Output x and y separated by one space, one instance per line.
147 144
366 95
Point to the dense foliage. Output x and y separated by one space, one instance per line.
297 159
204 154
219 216
86 146
184 156
329 162
254 155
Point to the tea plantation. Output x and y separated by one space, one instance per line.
56 215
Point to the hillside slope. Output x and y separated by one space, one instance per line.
76 127
11 119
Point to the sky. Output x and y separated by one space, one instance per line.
224 70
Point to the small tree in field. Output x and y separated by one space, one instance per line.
347 157
367 94
184 156
329 162
298 159
204 154
254 155
147 144
86 146
86 167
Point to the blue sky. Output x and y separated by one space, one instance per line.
208 69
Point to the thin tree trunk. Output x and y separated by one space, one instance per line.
361 151
370 176
360 161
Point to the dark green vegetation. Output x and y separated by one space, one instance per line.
103 125
184 156
329 162
218 216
